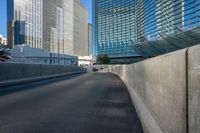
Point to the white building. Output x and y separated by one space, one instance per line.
3 40
28 55
85 61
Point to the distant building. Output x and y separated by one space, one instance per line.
85 60
3 40
58 32
80 29
53 26
90 39
24 18
56 26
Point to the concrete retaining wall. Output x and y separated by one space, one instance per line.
169 88
194 89
19 71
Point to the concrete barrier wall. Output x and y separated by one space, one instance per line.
194 89
19 71
169 88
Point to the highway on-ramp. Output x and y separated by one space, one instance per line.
88 103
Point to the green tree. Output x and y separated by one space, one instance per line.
103 59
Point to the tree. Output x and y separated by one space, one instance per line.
4 53
103 59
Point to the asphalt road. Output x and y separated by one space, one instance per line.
89 103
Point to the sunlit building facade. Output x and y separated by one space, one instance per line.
80 29
56 26
24 18
68 26
65 27
53 29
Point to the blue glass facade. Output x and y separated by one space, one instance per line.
168 17
191 14
161 17
114 26
119 24
19 30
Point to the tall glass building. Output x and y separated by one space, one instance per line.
159 17
24 22
114 27
119 24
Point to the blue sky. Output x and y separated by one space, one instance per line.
86 3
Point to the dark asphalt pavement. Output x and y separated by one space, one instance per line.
89 103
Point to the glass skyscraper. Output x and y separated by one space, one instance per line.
160 18
24 22
118 24
114 27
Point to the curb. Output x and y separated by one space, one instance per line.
35 79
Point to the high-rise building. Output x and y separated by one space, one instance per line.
24 19
53 26
114 27
159 18
90 39
69 26
58 29
80 29
65 27
191 12
57 26
119 24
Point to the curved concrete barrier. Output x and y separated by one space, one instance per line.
194 89
165 91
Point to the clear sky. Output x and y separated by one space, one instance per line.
3 30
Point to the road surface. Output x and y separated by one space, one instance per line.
89 103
